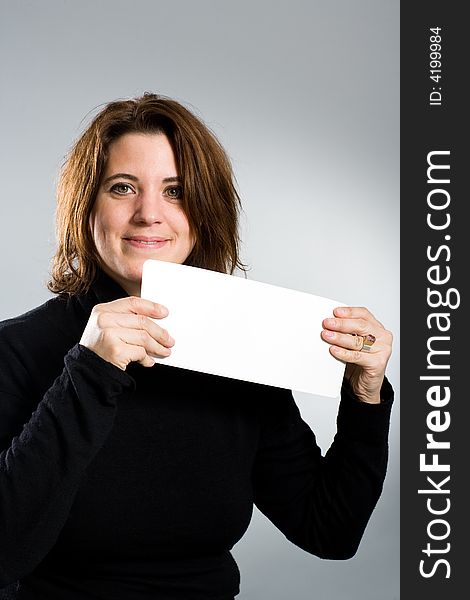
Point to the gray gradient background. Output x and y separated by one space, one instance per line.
305 97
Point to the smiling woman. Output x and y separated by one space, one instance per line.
138 210
124 479
184 151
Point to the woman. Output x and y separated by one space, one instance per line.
120 478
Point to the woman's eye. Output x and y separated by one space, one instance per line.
175 192
121 188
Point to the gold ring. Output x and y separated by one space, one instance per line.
367 342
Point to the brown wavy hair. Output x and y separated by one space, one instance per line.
210 199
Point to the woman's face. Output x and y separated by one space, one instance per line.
137 213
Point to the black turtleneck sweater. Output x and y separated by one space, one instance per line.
135 485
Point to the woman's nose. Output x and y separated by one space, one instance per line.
149 208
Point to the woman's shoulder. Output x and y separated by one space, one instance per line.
33 345
29 362
43 334
39 319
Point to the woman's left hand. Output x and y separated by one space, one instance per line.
346 333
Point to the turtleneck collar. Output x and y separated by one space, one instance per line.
107 289
103 289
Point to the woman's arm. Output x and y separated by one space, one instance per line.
41 469
323 503
41 464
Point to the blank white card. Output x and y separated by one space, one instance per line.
235 327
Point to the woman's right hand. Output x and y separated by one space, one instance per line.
122 332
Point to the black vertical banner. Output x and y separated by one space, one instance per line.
435 325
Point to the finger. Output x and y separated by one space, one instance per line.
139 355
348 341
140 337
358 326
136 305
355 312
350 356
148 361
121 353
133 321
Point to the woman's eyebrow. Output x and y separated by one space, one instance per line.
134 178
175 178
120 176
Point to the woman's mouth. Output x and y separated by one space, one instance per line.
148 243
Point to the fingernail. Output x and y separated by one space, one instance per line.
341 312
328 334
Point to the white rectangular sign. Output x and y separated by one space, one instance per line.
234 327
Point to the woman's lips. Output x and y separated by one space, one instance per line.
146 243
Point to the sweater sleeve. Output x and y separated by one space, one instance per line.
41 469
323 503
